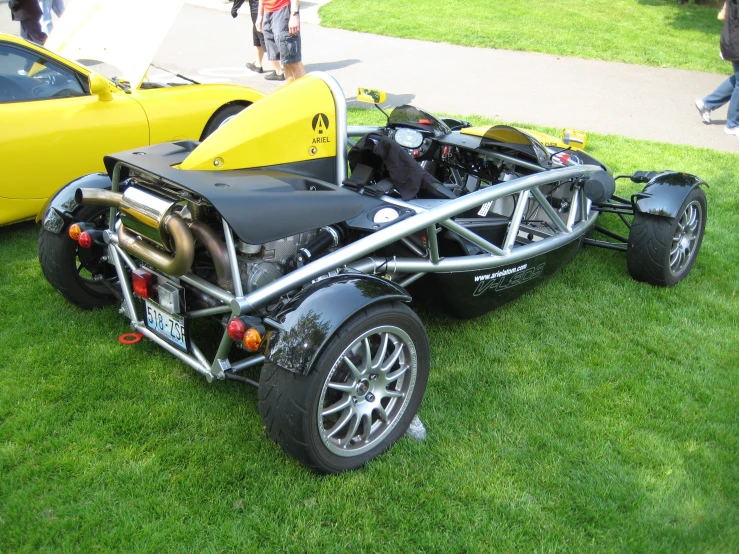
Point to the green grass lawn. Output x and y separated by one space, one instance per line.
648 32
594 414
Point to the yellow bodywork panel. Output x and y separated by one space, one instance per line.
51 142
543 138
294 124
182 112
47 142
12 210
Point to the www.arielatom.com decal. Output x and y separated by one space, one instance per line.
507 278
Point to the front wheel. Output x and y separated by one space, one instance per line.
81 275
220 118
360 397
661 251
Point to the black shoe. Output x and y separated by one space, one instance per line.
253 67
272 76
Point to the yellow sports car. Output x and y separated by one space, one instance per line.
59 118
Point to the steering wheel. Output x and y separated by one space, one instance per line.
10 91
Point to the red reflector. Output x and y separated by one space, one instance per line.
142 283
236 329
85 240
424 121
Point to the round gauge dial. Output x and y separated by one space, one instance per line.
385 214
410 138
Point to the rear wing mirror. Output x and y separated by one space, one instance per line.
372 96
574 139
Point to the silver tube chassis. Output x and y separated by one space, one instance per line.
353 259
353 264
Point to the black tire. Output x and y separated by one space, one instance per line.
220 117
289 403
79 274
661 250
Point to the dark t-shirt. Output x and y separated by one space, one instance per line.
730 32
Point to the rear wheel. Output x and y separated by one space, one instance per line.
359 399
662 251
81 275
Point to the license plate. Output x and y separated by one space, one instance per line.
168 326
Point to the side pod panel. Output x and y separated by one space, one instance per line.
61 207
314 316
664 194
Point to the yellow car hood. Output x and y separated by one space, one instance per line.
123 33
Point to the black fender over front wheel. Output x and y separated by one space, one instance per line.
662 250
81 275
361 396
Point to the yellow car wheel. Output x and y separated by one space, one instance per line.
221 117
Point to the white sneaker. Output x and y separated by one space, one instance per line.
732 131
705 112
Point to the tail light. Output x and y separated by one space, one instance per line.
249 334
236 329
85 239
252 339
74 231
143 283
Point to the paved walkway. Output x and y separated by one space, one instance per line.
598 97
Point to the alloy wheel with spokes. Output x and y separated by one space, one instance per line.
686 237
367 390
360 397
662 250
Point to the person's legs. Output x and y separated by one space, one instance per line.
58 7
257 39
270 45
31 31
721 95
732 116
288 45
273 53
294 71
46 23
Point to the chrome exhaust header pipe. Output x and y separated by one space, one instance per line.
176 264
217 250
155 221
98 197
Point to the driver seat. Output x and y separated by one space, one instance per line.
382 156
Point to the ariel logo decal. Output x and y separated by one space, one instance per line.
320 123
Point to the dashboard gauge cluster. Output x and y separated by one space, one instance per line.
413 140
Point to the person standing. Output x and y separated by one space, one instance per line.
279 20
258 42
728 91
28 13
47 6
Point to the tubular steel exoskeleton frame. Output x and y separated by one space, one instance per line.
354 257
578 221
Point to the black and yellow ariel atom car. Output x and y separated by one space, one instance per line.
307 272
